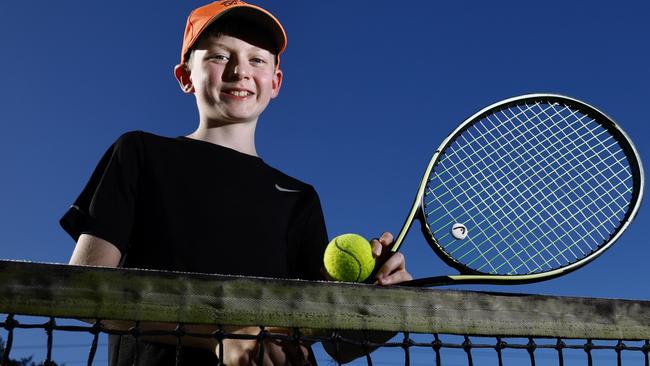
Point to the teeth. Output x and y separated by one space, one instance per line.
239 93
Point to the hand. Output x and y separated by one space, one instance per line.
393 265
246 352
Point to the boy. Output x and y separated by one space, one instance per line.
206 202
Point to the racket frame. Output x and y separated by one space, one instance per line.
468 275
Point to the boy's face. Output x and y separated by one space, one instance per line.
232 77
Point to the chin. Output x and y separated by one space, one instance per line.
235 119
242 116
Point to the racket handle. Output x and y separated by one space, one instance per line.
429 281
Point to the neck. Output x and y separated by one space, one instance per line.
236 136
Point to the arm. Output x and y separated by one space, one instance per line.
93 251
393 271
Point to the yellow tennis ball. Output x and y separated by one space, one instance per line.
348 258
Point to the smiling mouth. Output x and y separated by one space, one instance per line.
239 93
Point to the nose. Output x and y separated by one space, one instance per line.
241 71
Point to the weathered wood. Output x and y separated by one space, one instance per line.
108 293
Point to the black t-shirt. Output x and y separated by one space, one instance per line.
180 204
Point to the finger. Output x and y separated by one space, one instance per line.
377 248
396 262
395 278
386 239
393 270
378 244
258 356
269 361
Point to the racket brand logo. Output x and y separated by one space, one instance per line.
459 231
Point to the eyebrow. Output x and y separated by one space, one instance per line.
257 51
216 45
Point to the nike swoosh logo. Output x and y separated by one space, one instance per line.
285 189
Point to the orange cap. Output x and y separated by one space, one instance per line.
202 17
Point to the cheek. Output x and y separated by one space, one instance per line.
208 84
265 84
211 75
205 88
212 81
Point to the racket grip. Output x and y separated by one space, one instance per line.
429 281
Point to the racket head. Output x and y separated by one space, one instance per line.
541 184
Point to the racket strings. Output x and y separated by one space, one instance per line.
572 228
554 255
578 197
494 197
556 252
604 197
495 166
487 178
601 175
606 149
512 199
476 247
512 187
476 153
501 149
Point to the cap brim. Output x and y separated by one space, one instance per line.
261 17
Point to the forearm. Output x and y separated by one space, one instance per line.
241 345
164 333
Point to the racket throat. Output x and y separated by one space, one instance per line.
415 213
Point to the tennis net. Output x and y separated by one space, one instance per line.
40 303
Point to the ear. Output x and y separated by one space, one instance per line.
182 74
277 83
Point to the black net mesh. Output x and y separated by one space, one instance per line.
425 327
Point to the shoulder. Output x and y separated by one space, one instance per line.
140 137
140 140
129 141
144 146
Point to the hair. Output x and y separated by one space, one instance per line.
239 27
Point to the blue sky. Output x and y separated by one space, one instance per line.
370 90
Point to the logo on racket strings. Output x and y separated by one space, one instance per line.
459 231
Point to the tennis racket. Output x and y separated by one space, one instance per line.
527 189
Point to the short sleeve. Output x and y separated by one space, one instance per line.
105 207
309 234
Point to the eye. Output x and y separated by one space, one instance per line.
258 60
219 57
